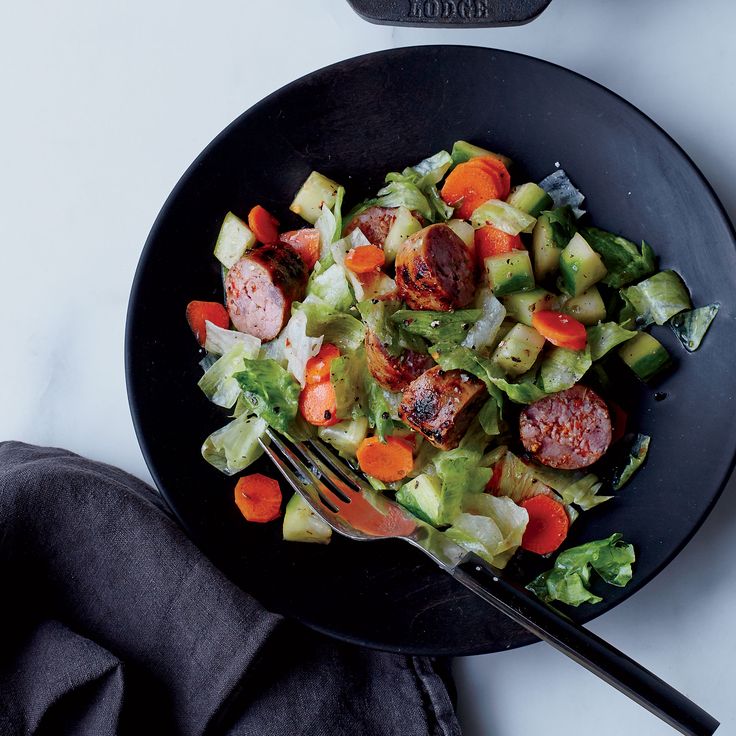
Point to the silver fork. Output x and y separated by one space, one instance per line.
354 509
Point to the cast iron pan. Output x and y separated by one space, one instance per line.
354 121
449 13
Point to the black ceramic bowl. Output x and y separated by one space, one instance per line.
354 121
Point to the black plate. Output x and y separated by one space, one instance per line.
354 121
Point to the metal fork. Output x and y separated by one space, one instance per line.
352 508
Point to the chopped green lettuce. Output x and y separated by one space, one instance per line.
346 375
451 327
636 458
482 335
218 383
563 224
299 347
573 486
569 579
563 192
381 406
691 326
561 368
605 336
345 436
338 328
517 481
272 391
235 446
489 417
658 298
461 473
622 259
331 286
220 340
502 216
329 224
403 194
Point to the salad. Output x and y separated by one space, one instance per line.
458 339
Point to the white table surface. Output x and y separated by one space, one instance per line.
103 106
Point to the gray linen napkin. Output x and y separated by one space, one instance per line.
115 623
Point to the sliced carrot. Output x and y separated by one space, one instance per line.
618 419
258 497
263 224
473 183
388 461
200 312
365 259
560 329
490 241
318 368
318 404
305 242
547 527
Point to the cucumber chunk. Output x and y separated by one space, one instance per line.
301 524
234 238
404 225
510 272
530 198
422 496
588 308
345 436
464 230
645 355
580 266
545 250
517 352
521 306
463 151
316 191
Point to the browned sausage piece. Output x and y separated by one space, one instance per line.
374 223
435 270
442 404
567 430
394 372
261 286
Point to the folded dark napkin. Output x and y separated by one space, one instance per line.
115 623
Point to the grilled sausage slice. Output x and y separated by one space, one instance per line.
568 430
374 223
435 270
394 372
261 286
442 404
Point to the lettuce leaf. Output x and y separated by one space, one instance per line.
218 383
329 224
657 298
338 328
691 326
563 192
461 473
561 368
299 347
569 578
636 458
272 391
220 340
605 336
346 376
502 216
451 327
573 486
381 406
622 259
482 335
563 224
516 480
331 287
235 446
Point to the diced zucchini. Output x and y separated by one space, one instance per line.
510 272
545 250
530 198
345 436
587 308
464 230
404 225
463 151
301 524
422 496
645 355
517 352
234 239
521 306
580 266
316 191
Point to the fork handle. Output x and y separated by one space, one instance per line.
585 648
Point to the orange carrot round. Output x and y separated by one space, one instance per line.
473 183
305 242
547 527
490 241
318 404
200 312
318 368
560 329
258 497
365 259
263 224
388 461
